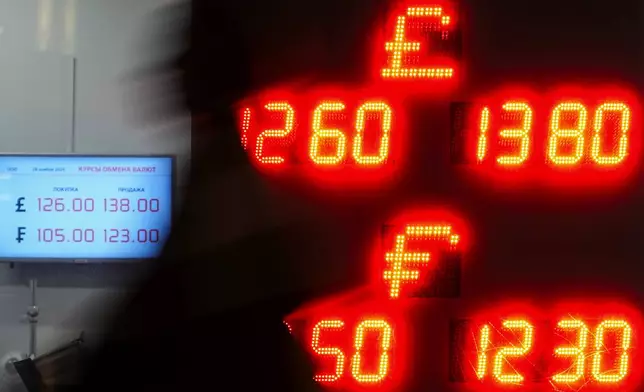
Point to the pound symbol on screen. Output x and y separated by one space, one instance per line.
20 205
22 231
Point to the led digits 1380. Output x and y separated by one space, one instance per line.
570 124
367 327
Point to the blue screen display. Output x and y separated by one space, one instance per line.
74 208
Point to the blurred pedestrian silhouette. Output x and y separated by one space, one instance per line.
242 253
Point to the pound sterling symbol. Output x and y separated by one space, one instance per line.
20 205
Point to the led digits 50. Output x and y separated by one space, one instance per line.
364 329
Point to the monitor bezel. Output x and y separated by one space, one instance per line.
99 260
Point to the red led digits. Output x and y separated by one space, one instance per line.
379 110
245 126
580 354
577 352
601 355
398 48
576 117
484 127
385 335
384 113
328 145
289 123
574 136
624 127
320 134
520 135
367 328
503 355
400 258
328 351
482 349
599 371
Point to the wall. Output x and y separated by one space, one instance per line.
66 85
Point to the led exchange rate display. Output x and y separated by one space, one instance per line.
492 172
